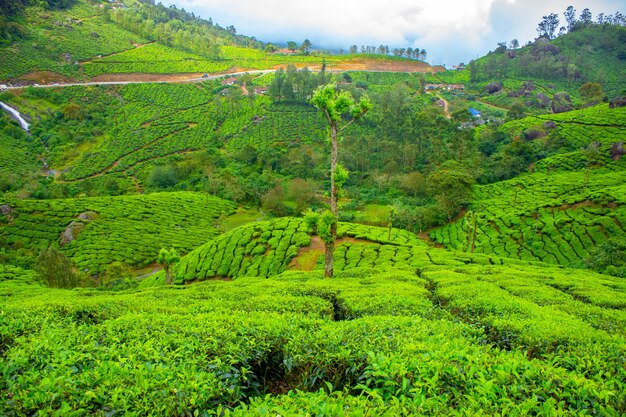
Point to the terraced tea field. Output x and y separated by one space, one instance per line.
128 229
464 339
269 248
556 217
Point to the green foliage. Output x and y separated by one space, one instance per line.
466 339
575 58
162 177
336 104
609 257
17 156
266 248
55 270
451 185
258 249
55 40
168 258
512 151
325 225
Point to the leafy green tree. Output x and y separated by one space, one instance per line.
451 186
292 46
115 274
302 192
162 177
273 201
55 270
306 46
340 111
168 258
585 17
609 258
591 92
570 17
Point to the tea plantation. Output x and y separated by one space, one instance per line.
452 340
269 248
557 217
95 232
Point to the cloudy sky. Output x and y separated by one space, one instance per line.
451 31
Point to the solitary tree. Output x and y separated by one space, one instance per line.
340 111
591 92
55 270
292 46
167 258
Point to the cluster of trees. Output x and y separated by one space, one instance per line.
304 48
293 85
549 24
409 52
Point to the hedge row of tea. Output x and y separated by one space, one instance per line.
465 340
557 217
127 229
589 160
282 125
268 248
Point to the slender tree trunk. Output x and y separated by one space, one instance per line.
330 246
329 254
167 275
333 168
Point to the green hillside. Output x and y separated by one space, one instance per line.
94 232
17 159
52 41
63 35
594 53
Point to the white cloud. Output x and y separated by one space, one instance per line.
450 30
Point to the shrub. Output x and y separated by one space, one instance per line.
55 270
